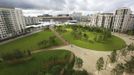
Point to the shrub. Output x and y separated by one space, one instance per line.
84 72
48 43
17 54
131 47
55 70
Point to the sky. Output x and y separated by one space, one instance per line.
38 7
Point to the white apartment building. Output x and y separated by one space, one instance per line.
31 20
102 20
94 20
131 23
3 28
121 20
11 22
107 20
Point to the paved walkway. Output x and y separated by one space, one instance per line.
91 56
88 56
127 38
58 35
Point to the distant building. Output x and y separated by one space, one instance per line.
11 22
31 20
63 15
54 18
76 16
85 18
121 21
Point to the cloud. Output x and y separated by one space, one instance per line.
68 5
90 5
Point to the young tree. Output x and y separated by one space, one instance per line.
84 72
85 36
118 70
29 52
79 62
129 65
131 47
55 70
112 57
18 54
100 64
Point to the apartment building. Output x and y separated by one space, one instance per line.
94 20
131 23
105 20
11 22
59 19
31 20
121 21
102 20
3 28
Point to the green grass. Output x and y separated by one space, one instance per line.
28 43
113 43
32 65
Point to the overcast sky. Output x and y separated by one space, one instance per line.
37 7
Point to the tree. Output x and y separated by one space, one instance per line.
100 64
84 72
51 40
77 33
107 33
129 65
55 70
79 62
18 54
85 36
112 57
118 70
131 47
29 52
99 38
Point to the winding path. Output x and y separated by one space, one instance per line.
59 36
127 38
90 56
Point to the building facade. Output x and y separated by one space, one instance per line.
94 20
131 23
102 20
11 22
31 20
121 21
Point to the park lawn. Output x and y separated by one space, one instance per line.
28 43
33 65
113 43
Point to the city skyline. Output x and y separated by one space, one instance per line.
38 7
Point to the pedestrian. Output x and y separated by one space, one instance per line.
71 45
